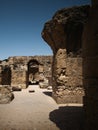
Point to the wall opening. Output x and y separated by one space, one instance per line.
6 75
33 72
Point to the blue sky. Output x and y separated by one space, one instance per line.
21 24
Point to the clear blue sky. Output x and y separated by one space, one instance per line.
21 24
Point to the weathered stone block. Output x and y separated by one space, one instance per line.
6 96
19 78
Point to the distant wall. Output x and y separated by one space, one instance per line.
14 70
19 78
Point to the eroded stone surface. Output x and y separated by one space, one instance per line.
65 29
64 35
6 96
24 70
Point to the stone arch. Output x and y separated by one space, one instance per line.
33 71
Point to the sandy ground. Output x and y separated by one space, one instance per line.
38 111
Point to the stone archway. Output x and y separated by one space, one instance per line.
33 72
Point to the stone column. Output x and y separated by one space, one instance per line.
59 75
56 38
90 68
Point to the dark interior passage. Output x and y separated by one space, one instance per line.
33 72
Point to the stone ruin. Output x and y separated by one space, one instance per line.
69 31
21 71
63 33
17 72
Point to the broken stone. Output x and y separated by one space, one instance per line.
6 96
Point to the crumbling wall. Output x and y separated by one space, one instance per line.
19 78
64 35
18 66
69 81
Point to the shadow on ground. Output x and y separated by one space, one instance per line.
68 118
48 93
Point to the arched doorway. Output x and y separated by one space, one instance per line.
33 72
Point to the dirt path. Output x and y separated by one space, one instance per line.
38 111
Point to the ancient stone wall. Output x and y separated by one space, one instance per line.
64 35
74 72
19 78
19 70
69 83
22 62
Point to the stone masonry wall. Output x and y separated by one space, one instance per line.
19 78
18 66
63 33
5 75
71 77
45 61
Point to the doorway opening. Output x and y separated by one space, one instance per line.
33 72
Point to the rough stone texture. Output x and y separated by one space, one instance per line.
19 78
64 35
90 68
65 29
6 96
74 72
69 82
16 71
